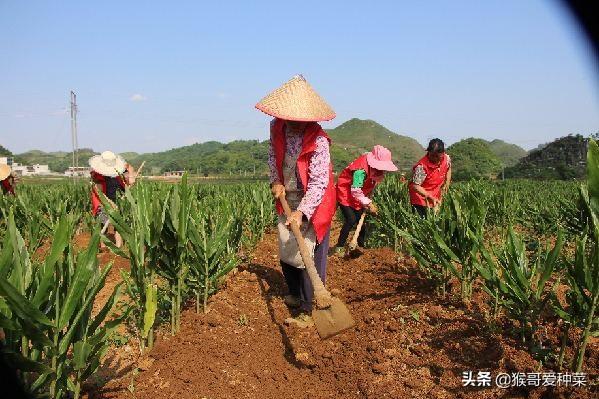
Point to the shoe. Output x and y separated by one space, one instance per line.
292 301
335 250
356 253
302 321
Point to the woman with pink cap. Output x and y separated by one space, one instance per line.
354 187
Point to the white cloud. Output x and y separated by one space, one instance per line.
138 98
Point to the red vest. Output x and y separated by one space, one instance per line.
346 178
435 177
323 215
99 179
7 187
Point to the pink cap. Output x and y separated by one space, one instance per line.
380 158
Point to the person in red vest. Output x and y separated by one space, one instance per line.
110 175
301 170
354 189
431 178
7 180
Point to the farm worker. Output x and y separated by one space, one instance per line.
7 180
355 187
301 170
110 174
431 178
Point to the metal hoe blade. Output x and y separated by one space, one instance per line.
332 320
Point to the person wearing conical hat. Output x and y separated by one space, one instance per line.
110 175
355 186
301 170
7 180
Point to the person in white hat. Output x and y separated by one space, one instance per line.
355 186
301 170
7 180
110 175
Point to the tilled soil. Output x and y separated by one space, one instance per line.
407 343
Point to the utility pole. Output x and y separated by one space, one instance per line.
74 132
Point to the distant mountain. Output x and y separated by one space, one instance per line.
350 140
357 136
211 157
564 158
4 152
129 155
508 154
473 159
57 161
539 147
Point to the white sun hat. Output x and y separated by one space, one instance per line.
296 100
107 164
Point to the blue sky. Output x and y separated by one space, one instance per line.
156 75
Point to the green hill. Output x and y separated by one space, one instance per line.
350 139
473 159
508 154
357 136
564 158
57 161
212 157
4 152
129 156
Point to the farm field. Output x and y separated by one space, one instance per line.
504 278
242 348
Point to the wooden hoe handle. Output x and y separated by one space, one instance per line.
354 241
322 296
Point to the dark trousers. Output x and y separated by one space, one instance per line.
298 280
420 210
350 219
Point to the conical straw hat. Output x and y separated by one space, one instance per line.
296 100
4 171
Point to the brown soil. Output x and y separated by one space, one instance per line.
407 343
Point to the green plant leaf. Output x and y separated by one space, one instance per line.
150 309
18 361
86 265
81 351
21 306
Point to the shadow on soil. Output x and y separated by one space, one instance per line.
276 283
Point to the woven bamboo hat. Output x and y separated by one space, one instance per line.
4 171
296 100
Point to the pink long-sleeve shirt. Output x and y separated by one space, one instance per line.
318 171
